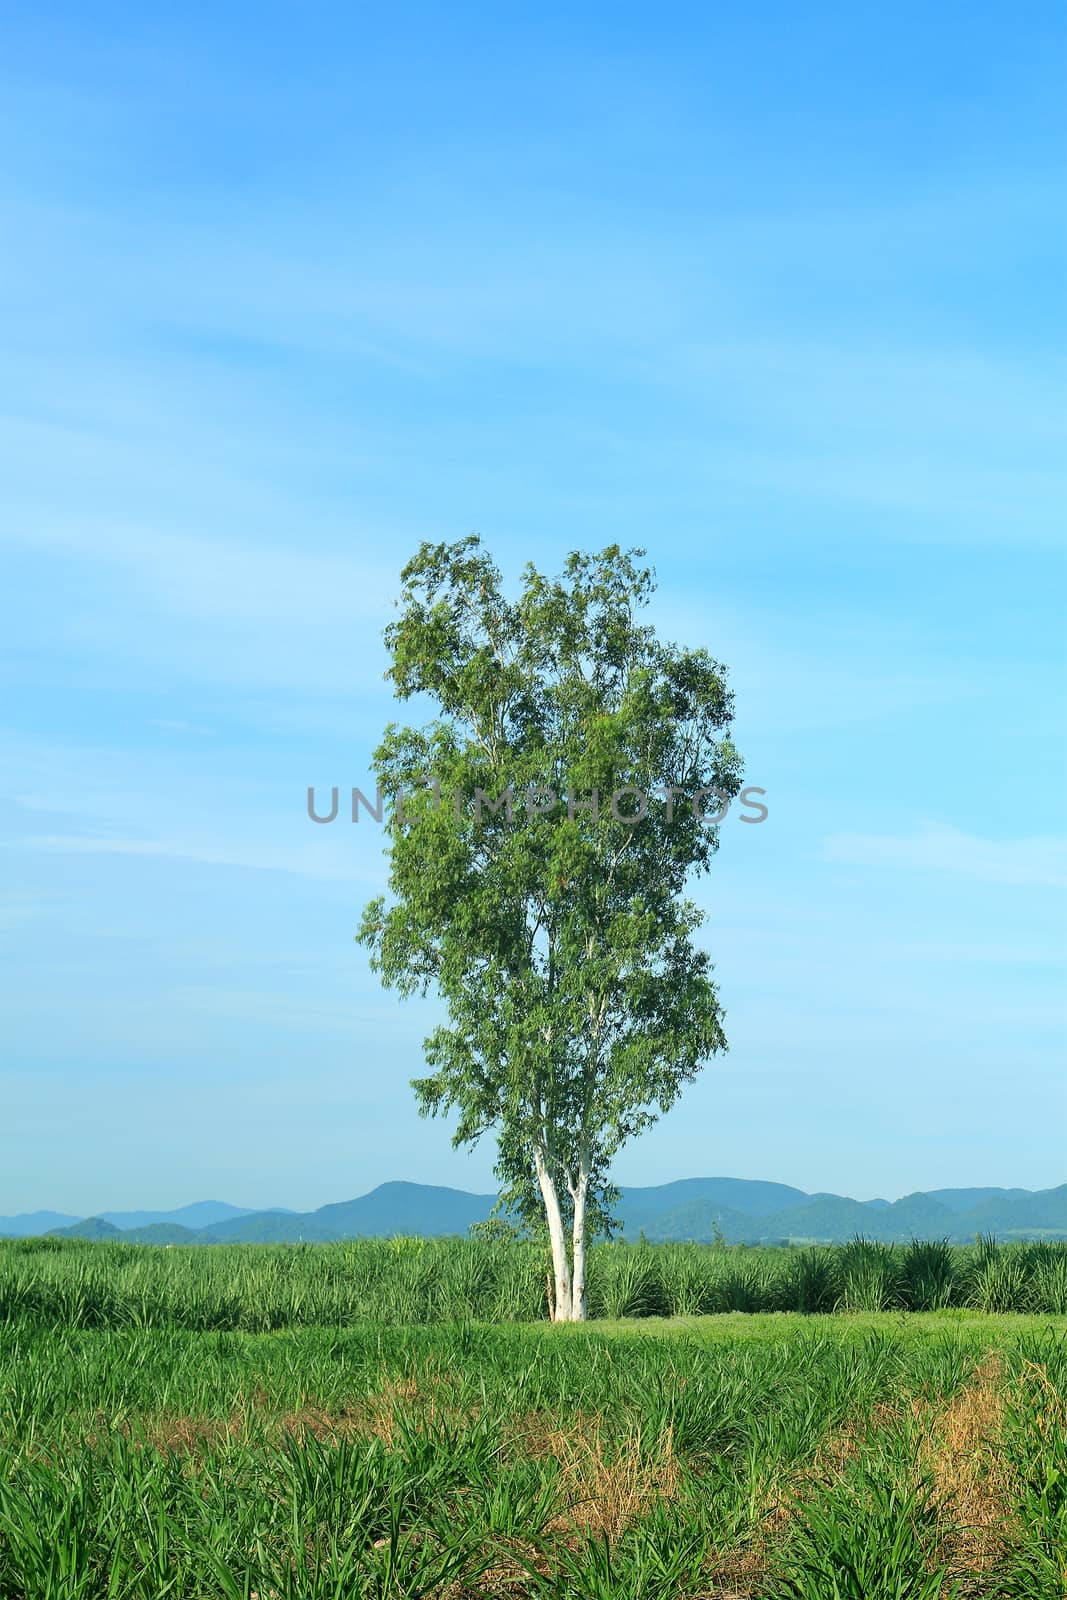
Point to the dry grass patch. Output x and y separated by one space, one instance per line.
973 1483
425 1396
608 1488
374 1415
172 1433
605 1484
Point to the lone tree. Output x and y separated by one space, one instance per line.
545 905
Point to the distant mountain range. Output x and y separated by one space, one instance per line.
201 1214
744 1211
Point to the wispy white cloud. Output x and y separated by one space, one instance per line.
856 668
936 847
329 865
197 609
18 909
220 579
171 814
287 342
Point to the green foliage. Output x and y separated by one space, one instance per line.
869 1538
1000 1280
494 1230
1036 1444
560 940
257 1288
627 1282
867 1272
926 1275
814 1279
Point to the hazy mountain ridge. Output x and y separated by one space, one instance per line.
30 1224
201 1214
743 1211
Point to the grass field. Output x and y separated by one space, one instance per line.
864 1456
257 1288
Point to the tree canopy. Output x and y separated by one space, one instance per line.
545 820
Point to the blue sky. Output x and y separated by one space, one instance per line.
778 298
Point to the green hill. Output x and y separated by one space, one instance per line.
161 1233
1028 1214
91 1228
693 1200
967 1199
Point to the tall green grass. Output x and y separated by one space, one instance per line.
1036 1446
405 1281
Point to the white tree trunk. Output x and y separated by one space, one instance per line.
561 1310
579 1306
